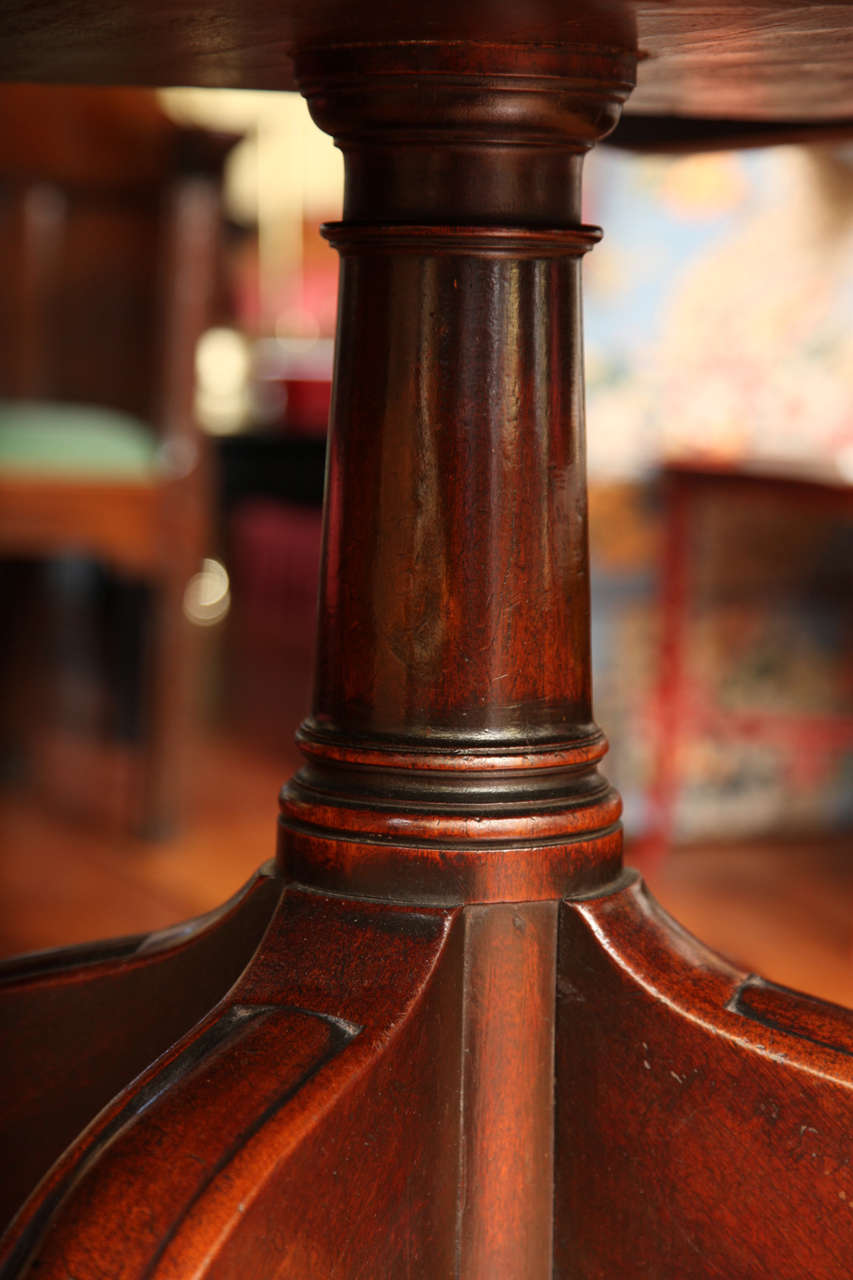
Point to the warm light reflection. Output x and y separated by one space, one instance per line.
207 598
282 172
223 365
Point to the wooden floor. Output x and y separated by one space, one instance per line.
785 910
63 880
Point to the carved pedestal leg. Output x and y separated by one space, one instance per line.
703 1115
375 1095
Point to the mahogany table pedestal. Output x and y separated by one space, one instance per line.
444 1035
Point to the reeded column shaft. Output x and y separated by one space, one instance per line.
455 600
452 722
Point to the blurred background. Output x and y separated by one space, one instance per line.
165 363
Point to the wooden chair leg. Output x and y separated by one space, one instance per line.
172 667
169 678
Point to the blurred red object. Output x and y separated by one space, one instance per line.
300 371
308 400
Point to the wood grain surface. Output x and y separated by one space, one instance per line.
466 1045
760 61
703 1115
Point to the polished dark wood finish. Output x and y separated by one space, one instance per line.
281 1091
703 1115
776 906
451 752
131 999
466 1045
757 62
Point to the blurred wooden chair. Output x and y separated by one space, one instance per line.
109 243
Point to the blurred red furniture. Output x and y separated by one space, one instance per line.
683 703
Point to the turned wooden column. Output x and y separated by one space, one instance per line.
461 1044
451 755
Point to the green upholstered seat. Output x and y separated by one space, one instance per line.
74 440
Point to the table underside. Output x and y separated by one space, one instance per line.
763 62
